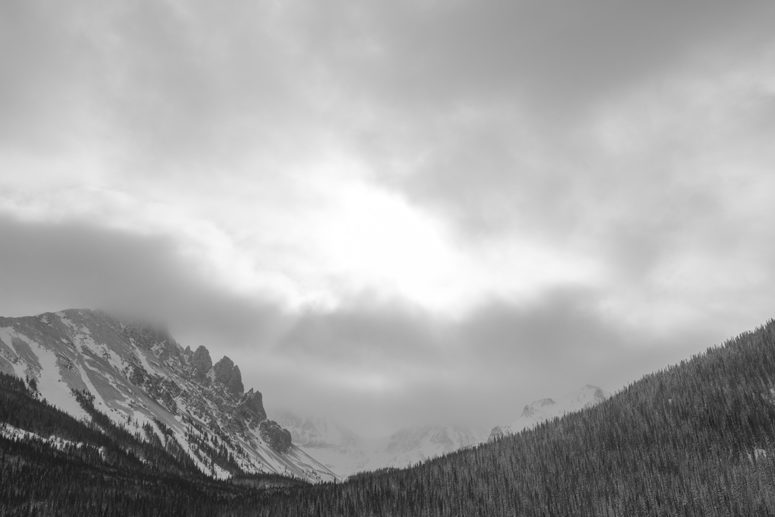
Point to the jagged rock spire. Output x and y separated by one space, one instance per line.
201 363
228 374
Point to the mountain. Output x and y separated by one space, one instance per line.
548 408
136 378
697 438
347 453
413 445
337 447
54 464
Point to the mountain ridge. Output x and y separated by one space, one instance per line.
144 381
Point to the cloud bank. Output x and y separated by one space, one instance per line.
396 212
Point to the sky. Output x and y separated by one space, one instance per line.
396 213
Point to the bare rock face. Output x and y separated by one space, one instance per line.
228 374
201 363
251 408
278 438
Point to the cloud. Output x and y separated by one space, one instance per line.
406 352
396 211
554 62
380 364
371 362
152 88
53 266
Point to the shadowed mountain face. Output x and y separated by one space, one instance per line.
145 382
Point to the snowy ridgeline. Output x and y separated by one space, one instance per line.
145 382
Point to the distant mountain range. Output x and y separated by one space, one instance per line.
346 453
542 410
93 366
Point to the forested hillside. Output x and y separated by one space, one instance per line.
694 439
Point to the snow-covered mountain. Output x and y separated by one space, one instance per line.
148 384
412 445
346 453
545 409
337 447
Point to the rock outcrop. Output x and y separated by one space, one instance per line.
251 408
201 364
228 374
272 433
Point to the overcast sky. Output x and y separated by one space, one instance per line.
398 212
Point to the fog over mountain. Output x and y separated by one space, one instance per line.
396 214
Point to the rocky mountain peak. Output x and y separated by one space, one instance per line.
201 363
251 408
595 394
547 408
228 374
278 438
535 406
140 379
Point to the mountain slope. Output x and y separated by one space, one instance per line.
694 439
53 464
137 378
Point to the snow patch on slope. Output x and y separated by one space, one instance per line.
15 433
19 367
49 380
